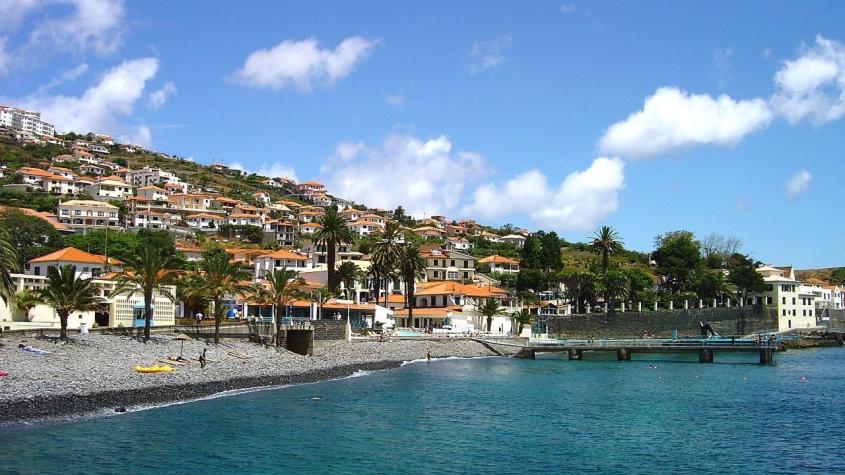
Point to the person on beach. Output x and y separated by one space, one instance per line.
202 358
428 356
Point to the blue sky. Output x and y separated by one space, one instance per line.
505 111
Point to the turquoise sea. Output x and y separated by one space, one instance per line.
489 415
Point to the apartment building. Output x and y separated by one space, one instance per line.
793 302
81 215
25 121
110 188
149 176
281 259
442 264
87 265
501 264
283 231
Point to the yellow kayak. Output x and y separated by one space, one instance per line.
155 369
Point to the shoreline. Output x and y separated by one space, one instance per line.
44 388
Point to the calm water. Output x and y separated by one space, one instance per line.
481 416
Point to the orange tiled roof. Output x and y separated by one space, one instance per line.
449 287
494 259
72 254
286 254
427 311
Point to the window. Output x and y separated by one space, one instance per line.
793 300
784 312
452 263
768 300
783 300
37 270
435 263
466 275
789 323
466 264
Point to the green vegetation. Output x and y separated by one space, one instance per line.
283 286
333 232
29 236
221 278
8 264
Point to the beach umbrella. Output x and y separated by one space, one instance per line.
181 337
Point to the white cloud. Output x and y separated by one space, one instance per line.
798 183
579 203
767 53
395 100
67 76
673 119
99 106
5 57
568 8
142 137
160 96
92 25
278 170
424 176
303 64
812 86
486 55
12 12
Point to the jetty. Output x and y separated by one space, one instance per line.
705 348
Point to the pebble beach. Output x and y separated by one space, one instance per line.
95 372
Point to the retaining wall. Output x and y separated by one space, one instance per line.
725 321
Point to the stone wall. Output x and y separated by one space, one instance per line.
725 321
329 329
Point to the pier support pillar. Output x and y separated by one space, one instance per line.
575 355
766 356
705 355
623 354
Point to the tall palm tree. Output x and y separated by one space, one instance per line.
606 241
8 265
490 308
520 319
149 271
412 266
221 278
348 273
26 300
580 287
386 254
67 293
280 287
332 234
191 291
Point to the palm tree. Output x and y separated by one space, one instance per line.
148 271
412 266
615 286
26 300
580 287
521 318
348 273
191 291
8 265
386 254
606 241
280 287
490 308
332 233
221 278
67 293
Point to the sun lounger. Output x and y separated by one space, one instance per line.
242 356
34 351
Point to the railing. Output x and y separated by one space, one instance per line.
652 343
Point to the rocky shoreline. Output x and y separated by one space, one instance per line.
94 373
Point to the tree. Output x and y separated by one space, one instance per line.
532 251
162 240
606 241
742 272
531 279
678 257
332 233
521 318
323 295
550 256
115 244
26 300
717 250
400 217
148 271
8 265
580 287
221 278
281 286
412 266
711 284
838 276
30 236
489 309
641 286
614 285
191 291
347 274
386 254
67 293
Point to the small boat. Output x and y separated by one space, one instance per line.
155 369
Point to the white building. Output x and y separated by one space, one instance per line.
148 176
87 265
501 264
281 259
514 239
110 188
25 121
795 307
85 214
